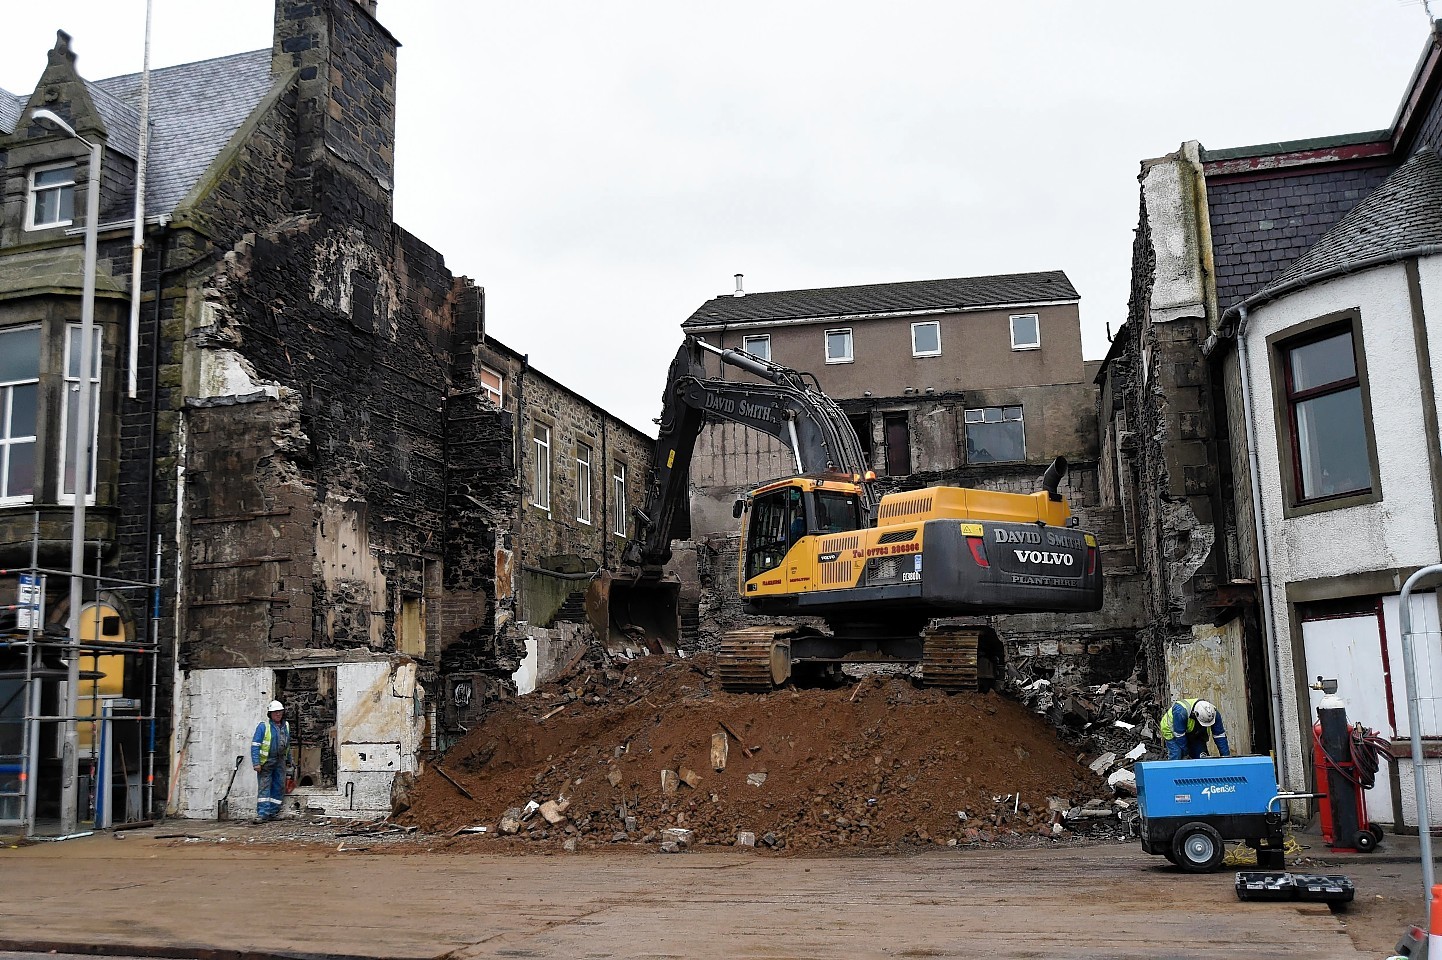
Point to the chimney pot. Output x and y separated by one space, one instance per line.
739 292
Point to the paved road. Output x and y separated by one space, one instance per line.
149 896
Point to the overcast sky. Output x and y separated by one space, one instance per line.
604 168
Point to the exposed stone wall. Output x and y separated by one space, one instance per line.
1169 410
554 536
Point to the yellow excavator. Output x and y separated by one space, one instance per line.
877 571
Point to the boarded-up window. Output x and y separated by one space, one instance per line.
411 628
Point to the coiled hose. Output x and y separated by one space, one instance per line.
1367 748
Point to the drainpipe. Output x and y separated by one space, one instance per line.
1264 567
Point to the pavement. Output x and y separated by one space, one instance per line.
230 890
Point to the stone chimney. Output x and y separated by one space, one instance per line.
346 85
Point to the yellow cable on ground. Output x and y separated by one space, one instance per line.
1241 855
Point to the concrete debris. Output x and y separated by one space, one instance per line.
570 845
745 839
554 812
670 846
1123 782
1103 763
530 809
719 751
669 781
613 776
755 779
677 835
1137 752
1123 725
689 777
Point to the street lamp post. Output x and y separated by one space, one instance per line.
69 799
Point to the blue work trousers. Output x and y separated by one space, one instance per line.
270 791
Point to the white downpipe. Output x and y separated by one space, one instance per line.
137 235
1264 567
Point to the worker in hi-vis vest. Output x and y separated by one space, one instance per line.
1188 724
268 751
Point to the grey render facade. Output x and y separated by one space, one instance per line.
338 495
1263 537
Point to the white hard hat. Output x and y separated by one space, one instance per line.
277 705
1205 713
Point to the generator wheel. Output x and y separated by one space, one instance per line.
1198 848
1364 841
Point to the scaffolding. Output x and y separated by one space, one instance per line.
33 675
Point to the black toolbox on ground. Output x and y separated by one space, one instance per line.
1317 888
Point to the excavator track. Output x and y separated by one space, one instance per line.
754 659
949 658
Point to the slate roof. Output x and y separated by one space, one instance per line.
1005 289
10 107
194 110
122 122
1403 213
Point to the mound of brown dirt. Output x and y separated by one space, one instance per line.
875 764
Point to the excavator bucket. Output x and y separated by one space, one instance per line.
631 616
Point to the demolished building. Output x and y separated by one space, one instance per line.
337 469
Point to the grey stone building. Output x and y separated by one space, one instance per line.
339 490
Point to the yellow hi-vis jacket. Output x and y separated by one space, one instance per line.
263 741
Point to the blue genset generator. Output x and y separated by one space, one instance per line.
1189 807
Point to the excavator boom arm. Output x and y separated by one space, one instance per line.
805 420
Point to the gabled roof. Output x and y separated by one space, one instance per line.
195 108
1404 213
880 298
10 107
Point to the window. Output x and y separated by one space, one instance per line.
19 401
838 346
51 198
541 470
995 435
67 415
758 346
1331 447
583 483
926 339
1025 332
777 522
898 444
491 386
618 492
836 512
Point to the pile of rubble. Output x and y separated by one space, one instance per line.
1112 727
652 751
